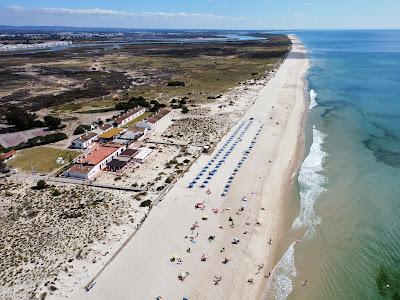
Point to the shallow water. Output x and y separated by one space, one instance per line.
349 184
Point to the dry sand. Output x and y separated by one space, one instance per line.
143 270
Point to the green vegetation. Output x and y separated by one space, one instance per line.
41 184
175 83
81 129
132 103
21 119
185 110
41 159
52 122
42 140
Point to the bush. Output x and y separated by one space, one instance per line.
41 184
52 122
56 193
145 203
185 110
169 180
42 140
175 83
132 103
81 129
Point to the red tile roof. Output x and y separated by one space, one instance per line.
97 155
8 154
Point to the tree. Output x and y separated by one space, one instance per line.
21 119
81 129
52 122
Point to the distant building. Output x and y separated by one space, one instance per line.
117 165
155 119
130 153
8 155
80 171
110 134
142 155
88 165
129 116
84 141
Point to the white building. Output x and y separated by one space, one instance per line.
156 119
129 116
142 155
89 164
84 141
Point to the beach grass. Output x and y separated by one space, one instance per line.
41 159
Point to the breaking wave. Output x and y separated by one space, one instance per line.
313 99
283 275
311 185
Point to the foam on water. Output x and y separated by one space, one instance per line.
311 185
313 98
283 275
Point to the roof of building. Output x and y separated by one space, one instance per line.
130 135
121 141
105 127
136 129
80 169
97 155
110 133
143 153
8 154
115 163
85 137
128 114
129 152
158 116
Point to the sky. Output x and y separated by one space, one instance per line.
204 14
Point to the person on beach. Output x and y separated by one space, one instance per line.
267 276
217 279
260 268
222 249
188 250
231 220
225 261
270 241
250 280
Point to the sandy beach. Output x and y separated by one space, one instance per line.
256 160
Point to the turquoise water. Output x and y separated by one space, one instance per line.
348 226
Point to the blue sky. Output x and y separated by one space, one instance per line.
218 14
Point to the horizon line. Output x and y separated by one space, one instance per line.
211 29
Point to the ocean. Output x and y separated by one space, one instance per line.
343 241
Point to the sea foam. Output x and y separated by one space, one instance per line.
311 182
313 99
311 186
283 275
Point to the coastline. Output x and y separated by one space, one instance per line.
142 270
